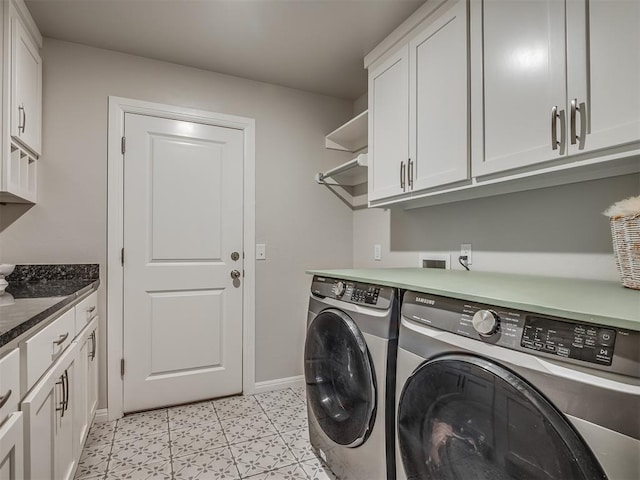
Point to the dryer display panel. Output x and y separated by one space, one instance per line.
569 340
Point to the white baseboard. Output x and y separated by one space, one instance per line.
102 415
279 384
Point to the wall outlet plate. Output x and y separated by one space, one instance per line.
261 251
465 249
377 252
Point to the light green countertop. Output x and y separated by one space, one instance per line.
596 301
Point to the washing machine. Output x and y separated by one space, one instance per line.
487 392
349 366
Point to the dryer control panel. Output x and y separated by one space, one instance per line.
359 293
560 338
589 343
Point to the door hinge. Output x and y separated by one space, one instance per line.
123 145
243 273
122 367
122 256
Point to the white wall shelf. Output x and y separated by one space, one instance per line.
350 137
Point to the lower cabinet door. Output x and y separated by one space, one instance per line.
48 422
11 448
65 450
80 395
92 375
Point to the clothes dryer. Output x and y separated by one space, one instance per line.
487 392
349 363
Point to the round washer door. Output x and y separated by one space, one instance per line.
340 378
463 417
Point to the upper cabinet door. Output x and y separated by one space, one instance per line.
26 88
518 83
603 68
389 126
438 104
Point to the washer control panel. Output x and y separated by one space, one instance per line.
353 292
560 338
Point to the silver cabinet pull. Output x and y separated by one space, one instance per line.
91 309
574 108
23 115
62 402
557 115
402 175
581 108
66 392
410 173
235 274
5 398
92 355
61 339
554 128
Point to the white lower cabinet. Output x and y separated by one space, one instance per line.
85 392
11 448
48 417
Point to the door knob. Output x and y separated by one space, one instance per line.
235 274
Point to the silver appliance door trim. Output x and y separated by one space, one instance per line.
357 334
610 397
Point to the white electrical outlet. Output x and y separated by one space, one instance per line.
377 252
261 251
465 249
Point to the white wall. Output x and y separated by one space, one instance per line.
558 231
302 223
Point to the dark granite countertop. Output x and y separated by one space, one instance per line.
36 293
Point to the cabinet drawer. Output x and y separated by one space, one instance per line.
86 310
9 383
41 350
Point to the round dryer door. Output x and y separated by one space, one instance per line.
463 417
340 378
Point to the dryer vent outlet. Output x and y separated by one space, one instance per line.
434 260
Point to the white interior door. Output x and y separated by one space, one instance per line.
182 224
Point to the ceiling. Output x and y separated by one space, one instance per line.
312 45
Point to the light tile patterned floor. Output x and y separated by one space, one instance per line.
258 437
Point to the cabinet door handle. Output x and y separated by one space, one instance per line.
554 128
91 309
62 404
93 346
23 114
402 175
5 398
61 339
66 401
410 173
575 138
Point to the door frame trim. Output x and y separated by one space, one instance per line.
117 108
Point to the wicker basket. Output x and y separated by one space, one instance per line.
626 247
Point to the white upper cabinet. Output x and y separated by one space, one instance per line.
418 106
518 75
26 87
389 126
21 106
603 69
438 101
552 79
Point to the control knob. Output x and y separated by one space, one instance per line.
486 322
338 289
